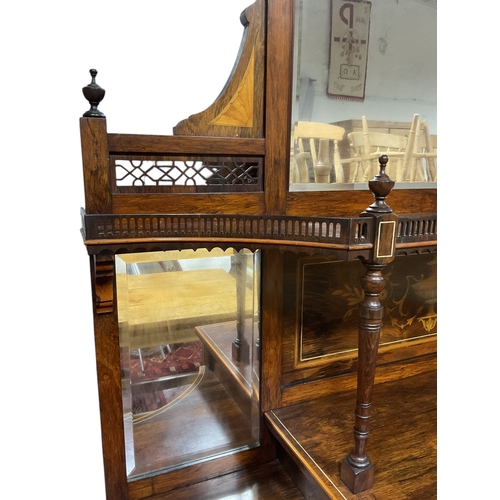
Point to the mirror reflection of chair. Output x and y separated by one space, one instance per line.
316 155
424 156
413 153
420 159
367 146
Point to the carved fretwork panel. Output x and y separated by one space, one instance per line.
167 174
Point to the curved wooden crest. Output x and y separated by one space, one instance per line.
239 109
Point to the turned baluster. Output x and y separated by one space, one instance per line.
300 158
337 164
356 469
323 167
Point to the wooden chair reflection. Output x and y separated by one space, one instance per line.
367 146
316 153
424 157
413 154
420 160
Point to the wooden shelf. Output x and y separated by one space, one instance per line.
315 436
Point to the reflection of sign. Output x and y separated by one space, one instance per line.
349 49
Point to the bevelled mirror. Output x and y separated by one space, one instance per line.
365 83
187 396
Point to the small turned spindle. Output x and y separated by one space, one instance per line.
94 94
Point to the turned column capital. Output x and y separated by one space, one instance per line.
386 221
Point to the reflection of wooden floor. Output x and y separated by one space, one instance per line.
402 443
205 422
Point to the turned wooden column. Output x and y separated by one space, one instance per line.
356 469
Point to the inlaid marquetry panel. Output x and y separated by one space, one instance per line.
239 111
329 293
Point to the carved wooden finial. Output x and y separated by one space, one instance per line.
94 94
243 19
381 185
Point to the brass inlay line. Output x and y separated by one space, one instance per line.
180 397
210 239
410 338
338 353
307 454
380 345
393 238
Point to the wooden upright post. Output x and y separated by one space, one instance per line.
95 154
356 469
95 159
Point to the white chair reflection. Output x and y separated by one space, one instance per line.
424 158
316 153
412 154
367 146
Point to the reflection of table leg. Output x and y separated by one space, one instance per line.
256 354
140 359
240 348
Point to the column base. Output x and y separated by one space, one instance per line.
240 351
355 478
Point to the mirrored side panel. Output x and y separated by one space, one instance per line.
189 339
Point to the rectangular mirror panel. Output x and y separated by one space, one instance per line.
365 84
189 341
